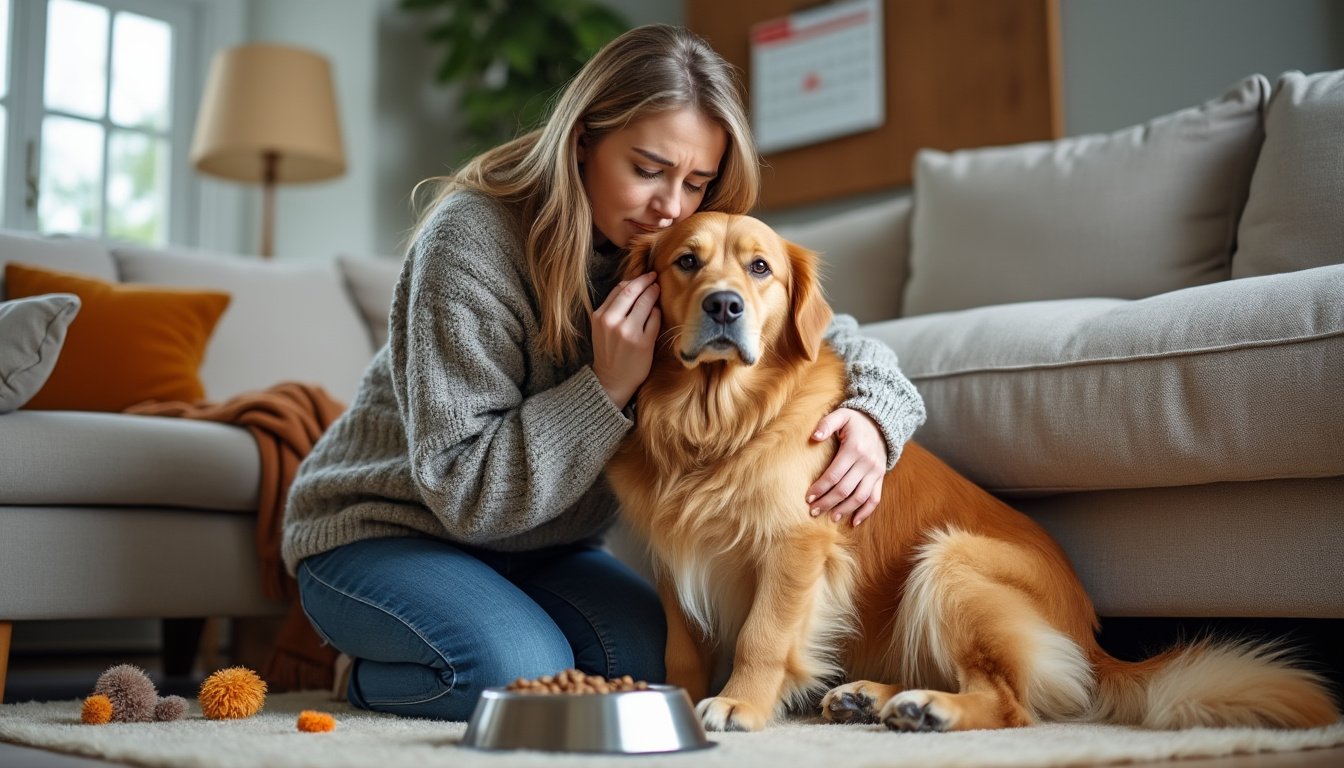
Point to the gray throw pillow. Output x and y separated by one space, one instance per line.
32 330
1294 218
1131 214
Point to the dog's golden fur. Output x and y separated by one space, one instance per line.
947 609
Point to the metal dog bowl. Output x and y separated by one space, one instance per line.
659 719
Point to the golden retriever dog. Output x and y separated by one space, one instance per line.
946 610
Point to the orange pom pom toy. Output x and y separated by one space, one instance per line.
312 721
232 694
97 710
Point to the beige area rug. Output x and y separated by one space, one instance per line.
362 739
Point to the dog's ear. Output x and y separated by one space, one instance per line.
811 314
639 257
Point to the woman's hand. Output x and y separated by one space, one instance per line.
625 328
852 484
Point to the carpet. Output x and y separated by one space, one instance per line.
363 739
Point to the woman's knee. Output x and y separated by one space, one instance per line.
611 617
450 692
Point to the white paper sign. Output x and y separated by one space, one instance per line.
817 74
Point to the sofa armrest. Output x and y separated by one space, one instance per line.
865 257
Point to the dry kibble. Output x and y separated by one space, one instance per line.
573 681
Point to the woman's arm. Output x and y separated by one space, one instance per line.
877 387
879 414
488 460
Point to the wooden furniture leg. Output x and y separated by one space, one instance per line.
6 631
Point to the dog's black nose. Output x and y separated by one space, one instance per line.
723 306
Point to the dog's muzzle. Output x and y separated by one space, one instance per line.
721 331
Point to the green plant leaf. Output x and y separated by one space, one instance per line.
539 45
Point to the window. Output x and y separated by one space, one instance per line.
96 113
4 92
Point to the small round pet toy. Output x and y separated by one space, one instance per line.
312 721
232 694
97 710
125 694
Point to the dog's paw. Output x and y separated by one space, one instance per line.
850 703
721 713
916 711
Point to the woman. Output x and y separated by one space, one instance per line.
445 532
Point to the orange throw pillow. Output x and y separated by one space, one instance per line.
129 343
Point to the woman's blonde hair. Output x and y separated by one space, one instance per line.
646 71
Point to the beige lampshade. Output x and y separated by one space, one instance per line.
268 98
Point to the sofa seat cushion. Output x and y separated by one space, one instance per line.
1239 380
59 562
85 458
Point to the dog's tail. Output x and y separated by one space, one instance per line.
1217 684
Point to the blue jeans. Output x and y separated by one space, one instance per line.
430 624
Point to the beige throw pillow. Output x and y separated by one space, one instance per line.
1135 213
287 321
1294 218
371 280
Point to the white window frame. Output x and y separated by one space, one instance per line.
200 214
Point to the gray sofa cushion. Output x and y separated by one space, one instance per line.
1239 380
1294 218
1135 213
132 562
82 457
371 281
1267 548
864 253
32 332
286 322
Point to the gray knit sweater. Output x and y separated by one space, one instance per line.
463 429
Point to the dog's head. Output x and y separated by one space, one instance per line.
732 290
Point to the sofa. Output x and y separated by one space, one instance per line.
108 515
1136 338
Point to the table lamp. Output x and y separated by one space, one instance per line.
268 115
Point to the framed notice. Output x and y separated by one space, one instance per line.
817 74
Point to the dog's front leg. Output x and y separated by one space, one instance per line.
687 656
772 636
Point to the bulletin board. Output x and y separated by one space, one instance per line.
956 74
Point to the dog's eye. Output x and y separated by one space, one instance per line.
759 267
688 261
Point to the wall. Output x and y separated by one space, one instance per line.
319 219
418 133
1126 62
1123 63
